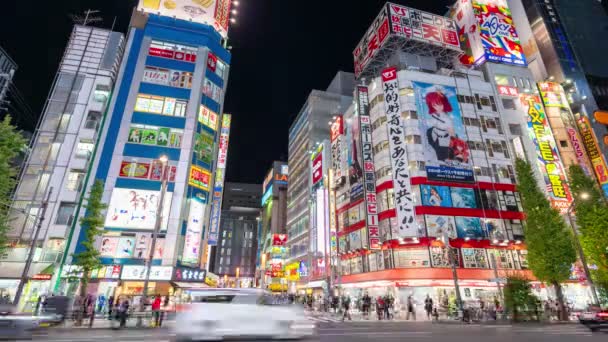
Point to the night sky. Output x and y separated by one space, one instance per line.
282 49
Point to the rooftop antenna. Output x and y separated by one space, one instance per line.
88 18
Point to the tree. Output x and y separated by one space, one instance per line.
592 220
551 251
519 299
92 224
11 144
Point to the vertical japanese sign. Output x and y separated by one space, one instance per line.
218 186
194 232
369 175
371 42
594 153
404 200
549 161
337 140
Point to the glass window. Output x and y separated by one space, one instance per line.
75 180
101 93
65 213
93 120
508 103
84 149
501 80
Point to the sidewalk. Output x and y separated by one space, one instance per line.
104 323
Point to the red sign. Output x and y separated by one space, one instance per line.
134 170
42 277
177 55
507 91
337 128
317 169
279 239
211 62
389 74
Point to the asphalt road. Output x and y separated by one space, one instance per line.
369 331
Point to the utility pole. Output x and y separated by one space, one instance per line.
453 259
30 256
157 227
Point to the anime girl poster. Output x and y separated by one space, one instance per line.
442 130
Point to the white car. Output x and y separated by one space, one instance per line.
216 314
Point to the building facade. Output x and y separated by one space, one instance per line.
159 157
54 174
234 258
7 71
272 251
307 132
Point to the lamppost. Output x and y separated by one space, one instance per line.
157 226
584 196
446 240
262 269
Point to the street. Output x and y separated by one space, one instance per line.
368 331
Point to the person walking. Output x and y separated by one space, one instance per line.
156 310
411 310
123 310
428 307
346 308
110 306
380 307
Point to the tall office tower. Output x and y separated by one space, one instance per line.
163 154
307 132
61 156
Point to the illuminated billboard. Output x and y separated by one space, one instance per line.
548 162
136 209
594 152
199 178
194 232
215 13
487 32
404 199
218 186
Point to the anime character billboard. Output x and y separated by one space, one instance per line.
446 151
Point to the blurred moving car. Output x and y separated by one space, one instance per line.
15 326
216 314
595 320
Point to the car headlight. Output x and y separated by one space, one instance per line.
302 325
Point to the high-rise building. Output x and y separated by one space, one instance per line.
7 71
162 155
562 42
54 174
273 227
234 258
307 132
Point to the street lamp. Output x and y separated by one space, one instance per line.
584 196
157 226
238 271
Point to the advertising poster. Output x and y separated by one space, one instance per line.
135 135
437 225
444 137
163 136
463 198
136 209
594 153
215 13
204 147
218 185
199 178
440 257
142 246
126 247
499 38
369 172
134 170
109 246
469 227
317 166
149 136
194 232
474 258
337 141
412 258
549 162
355 240
435 196
355 170
404 198
156 170
495 229
157 76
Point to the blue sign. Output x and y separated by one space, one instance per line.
267 195
216 212
449 174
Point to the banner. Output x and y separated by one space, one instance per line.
594 153
404 199
369 172
548 162
194 232
355 171
446 152
337 141
199 178
218 188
